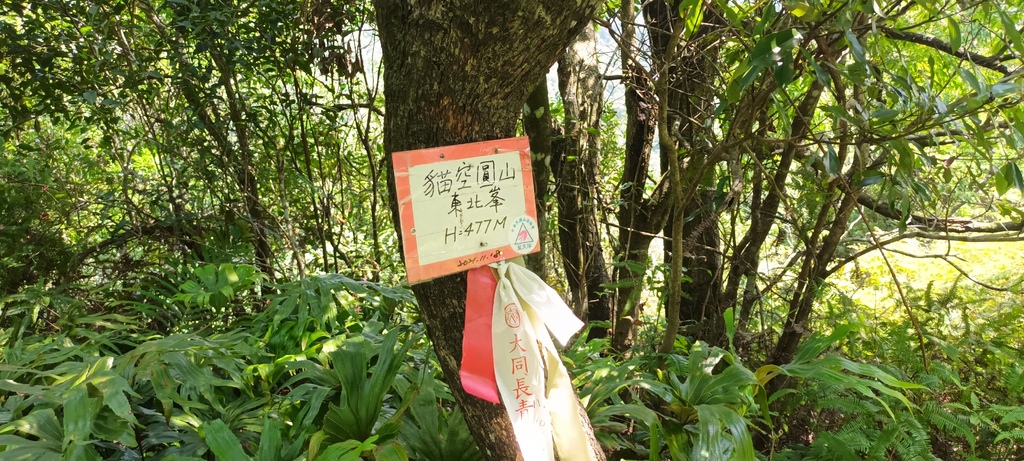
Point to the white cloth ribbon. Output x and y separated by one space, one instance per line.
534 384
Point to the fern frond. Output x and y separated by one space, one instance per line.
1009 414
857 435
848 405
829 446
884 442
949 423
1014 434
913 441
1014 380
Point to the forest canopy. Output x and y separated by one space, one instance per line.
794 228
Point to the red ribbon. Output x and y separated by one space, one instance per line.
477 370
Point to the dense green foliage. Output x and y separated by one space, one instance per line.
197 259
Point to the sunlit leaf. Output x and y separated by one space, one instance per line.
953 28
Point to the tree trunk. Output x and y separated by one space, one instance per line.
639 218
538 126
691 102
701 305
579 80
456 72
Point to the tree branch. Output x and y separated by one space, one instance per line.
1007 237
988 62
951 225
953 265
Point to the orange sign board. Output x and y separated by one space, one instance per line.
465 206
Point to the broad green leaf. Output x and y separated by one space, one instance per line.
222 441
11 386
769 51
390 452
349 450
114 389
655 443
21 449
77 416
905 159
713 443
692 11
270 440
784 71
727 9
800 10
42 424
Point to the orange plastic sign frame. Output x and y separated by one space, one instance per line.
465 206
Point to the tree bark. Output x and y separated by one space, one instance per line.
579 80
456 72
637 226
537 124
690 101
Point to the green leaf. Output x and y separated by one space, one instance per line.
856 48
1002 182
784 72
1002 89
222 441
713 442
955 37
77 416
817 343
90 96
1012 34
770 51
114 389
390 452
349 450
819 72
42 424
884 115
867 178
969 79
270 440
730 325
1009 176
693 13
655 443
21 449
799 9
831 161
